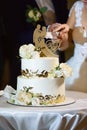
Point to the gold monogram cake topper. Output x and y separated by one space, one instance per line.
48 47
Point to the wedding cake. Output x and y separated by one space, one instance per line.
42 78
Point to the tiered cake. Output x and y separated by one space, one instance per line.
36 73
42 77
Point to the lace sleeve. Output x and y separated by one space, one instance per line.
72 8
77 7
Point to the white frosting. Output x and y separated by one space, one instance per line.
46 86
40 64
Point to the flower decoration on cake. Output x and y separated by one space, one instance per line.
34 15
66 69
62 70
26 97
29 51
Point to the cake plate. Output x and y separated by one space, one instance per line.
67 101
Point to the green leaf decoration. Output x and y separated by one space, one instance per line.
43 9
58 67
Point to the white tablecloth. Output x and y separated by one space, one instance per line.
67 117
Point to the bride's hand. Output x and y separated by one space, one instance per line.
58 30
60 33
51 29
62 28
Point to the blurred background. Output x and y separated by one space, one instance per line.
15 31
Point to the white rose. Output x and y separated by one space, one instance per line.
31 47
38 14
31 14
35 55
35 101
22 51
58 73
28 51
67 70
27 55
27 100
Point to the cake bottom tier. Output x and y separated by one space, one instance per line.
45 86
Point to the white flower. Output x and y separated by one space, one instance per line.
67 70
55 73
22 51
31 47
31 14
35 101
38 14
28 51
58 73
35 55
63 70
27 99
34 14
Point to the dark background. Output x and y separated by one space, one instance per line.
15 31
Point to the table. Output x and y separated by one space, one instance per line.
68 117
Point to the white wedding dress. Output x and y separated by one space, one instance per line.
78 80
